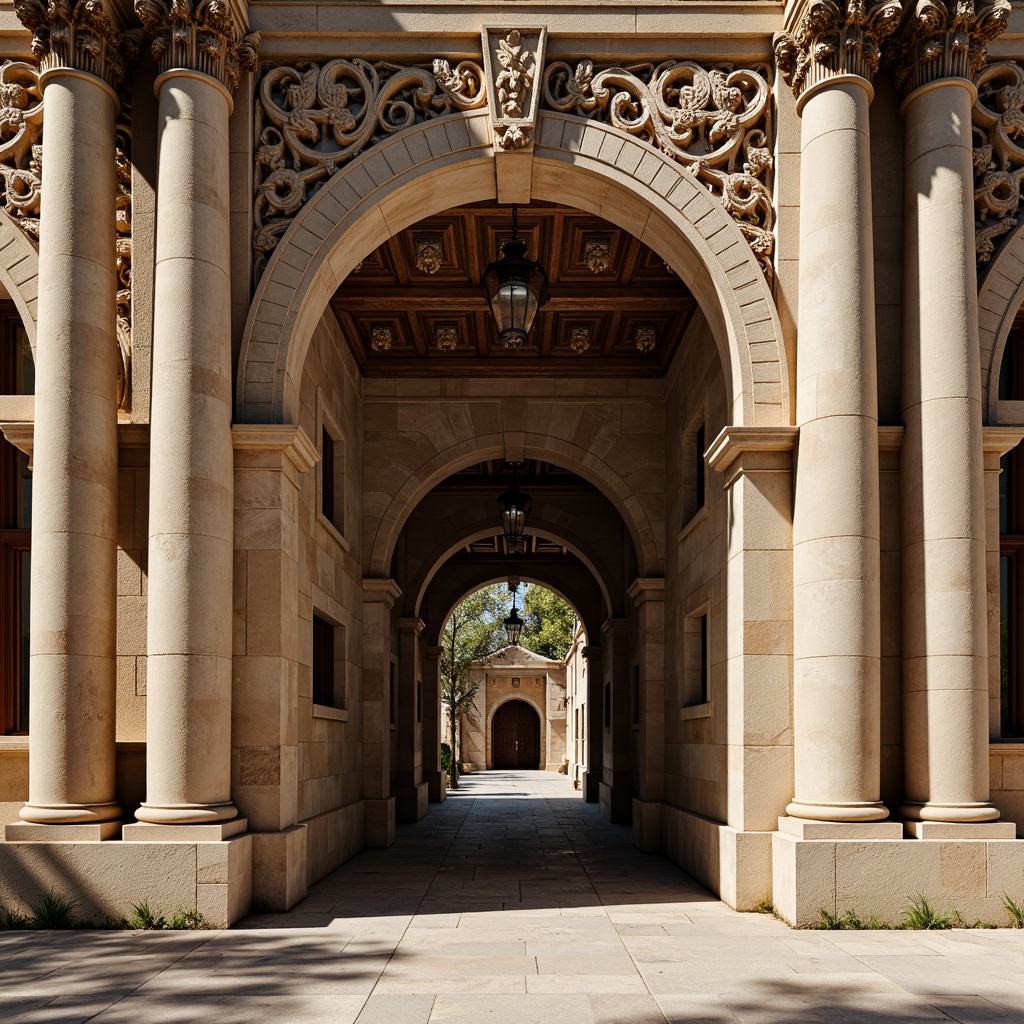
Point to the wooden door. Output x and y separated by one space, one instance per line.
515 736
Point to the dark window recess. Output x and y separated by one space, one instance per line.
17 376
701 496
607 705
327 476
636 694
323 662
391 695
704 673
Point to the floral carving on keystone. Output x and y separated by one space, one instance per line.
312 119
515 79
78 34
835 38
715 121
998 130
201 35
942 39
21 149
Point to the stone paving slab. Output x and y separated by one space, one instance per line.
514 901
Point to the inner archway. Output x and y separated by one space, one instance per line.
515 736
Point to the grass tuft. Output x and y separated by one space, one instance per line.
11 920
54 912
920 915
848 920
144 918
1015 910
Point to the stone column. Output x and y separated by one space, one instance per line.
945 649
829 58
411 791
191 459
616 795
432 775
594 724
74 529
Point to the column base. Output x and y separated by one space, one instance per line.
591 787
804 829
880 877
31 833
952 813
70 814
379 823
868 811
279 868
616 804
437 786
185 814
411 802
146 832
647 825
961 830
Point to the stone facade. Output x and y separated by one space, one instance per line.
788 548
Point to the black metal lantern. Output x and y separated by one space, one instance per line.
516 289
513 625
515 507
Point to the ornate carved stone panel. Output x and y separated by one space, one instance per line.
943 39
998 155
312 119
835 38
513 59
123 221
715 122
21 138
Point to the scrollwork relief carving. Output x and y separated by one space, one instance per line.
716 122
21 150
312 119
123 221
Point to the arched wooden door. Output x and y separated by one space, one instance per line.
515 736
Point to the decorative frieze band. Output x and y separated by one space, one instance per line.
715 122
200 35
998 128
21 169
945 39
835 38
78 34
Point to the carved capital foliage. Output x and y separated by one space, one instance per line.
78 34
835 37
715 122
945 39
998 129
200 35
312 119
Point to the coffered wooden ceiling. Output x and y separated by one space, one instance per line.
416 307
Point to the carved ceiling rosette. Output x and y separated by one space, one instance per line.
940 39
201 35
513 59
21 149
715 122
312 119
998 130
835 38
78 34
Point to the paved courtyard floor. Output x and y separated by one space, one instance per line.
512 901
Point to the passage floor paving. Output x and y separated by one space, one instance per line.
512 901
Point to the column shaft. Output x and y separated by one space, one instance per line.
945 688
74 529
836 645
191 486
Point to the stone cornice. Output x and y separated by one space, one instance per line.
81 35
204 36
942 39
831 38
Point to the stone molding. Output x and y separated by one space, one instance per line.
81 35
646 588
204 36
833 38
312 119
733 442
378 590
998 124
942 39
287 440
715 122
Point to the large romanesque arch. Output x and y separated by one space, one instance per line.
1000 296
592 166
19 272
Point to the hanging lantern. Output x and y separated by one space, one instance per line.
515 507
513 625
516 289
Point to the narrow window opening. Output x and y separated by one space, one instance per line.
704 696
323 662
327 475
701 496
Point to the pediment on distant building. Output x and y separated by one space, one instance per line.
517 657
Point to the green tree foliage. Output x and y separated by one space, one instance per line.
550 623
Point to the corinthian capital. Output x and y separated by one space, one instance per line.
201 35
78 34
943 39
835 38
